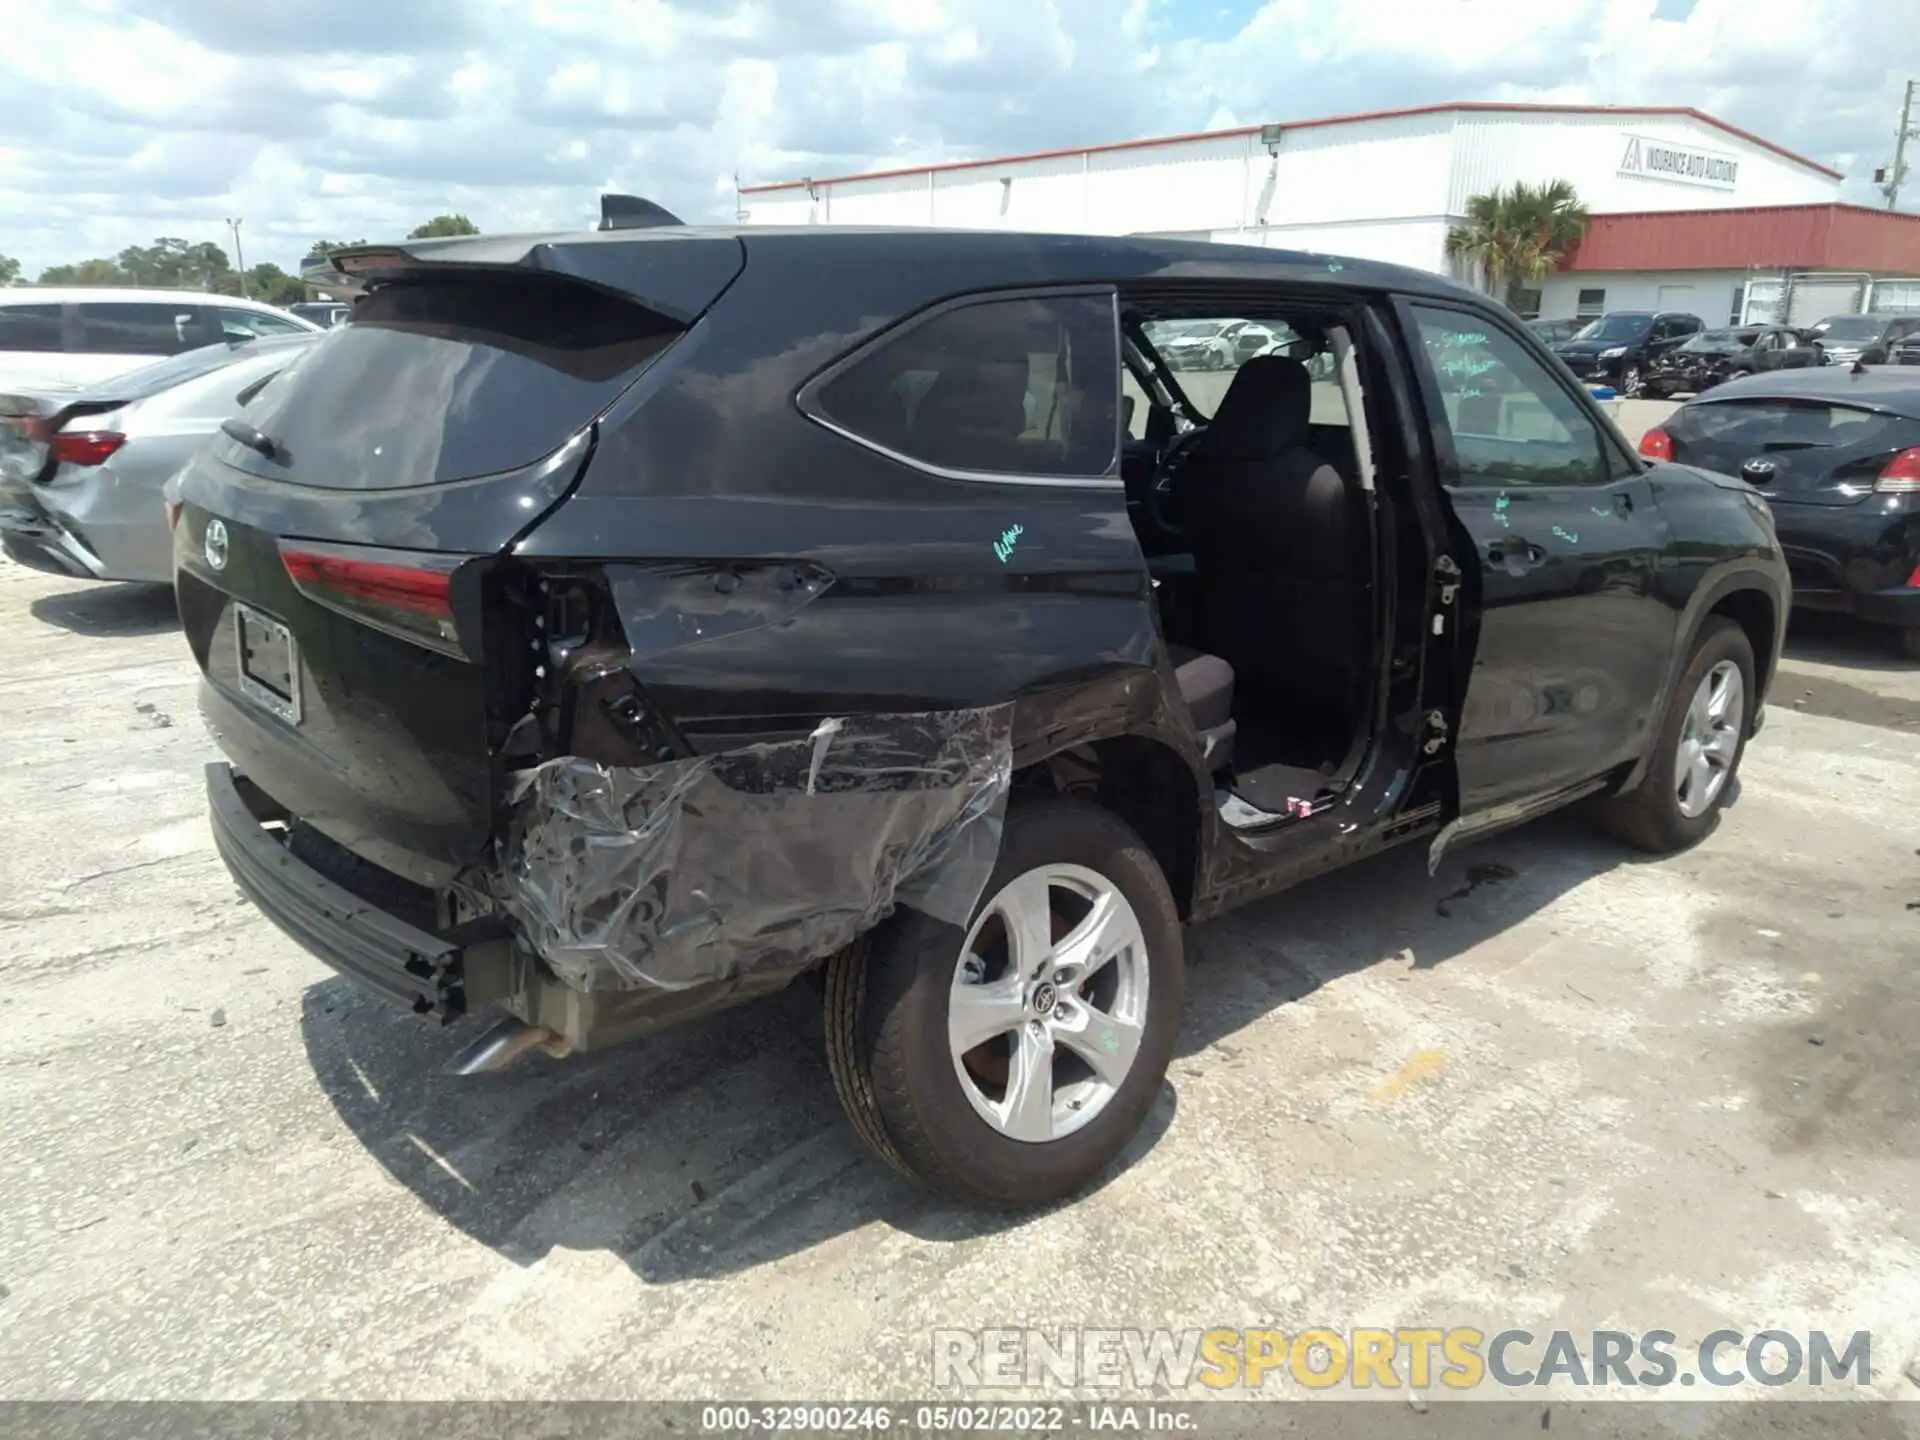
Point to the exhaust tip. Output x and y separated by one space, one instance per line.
503 1044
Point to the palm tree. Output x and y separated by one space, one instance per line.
1521 234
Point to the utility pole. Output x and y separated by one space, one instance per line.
240 261
1898 171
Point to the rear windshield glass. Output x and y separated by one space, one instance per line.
1710 342
450 378
1758 425
1616 327
1849 327
165 374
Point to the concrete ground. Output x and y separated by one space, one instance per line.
1557 1085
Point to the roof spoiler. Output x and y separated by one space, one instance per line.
632 212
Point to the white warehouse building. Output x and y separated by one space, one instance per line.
1756 219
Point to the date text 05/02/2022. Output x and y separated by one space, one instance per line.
941 1419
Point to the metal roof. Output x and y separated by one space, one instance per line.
1758 237
677 269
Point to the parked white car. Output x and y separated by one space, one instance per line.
60 335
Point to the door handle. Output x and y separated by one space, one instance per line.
1519 556
1623 502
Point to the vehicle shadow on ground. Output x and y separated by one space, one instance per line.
110 610
1819 645
1825 639
1386 912
719 1146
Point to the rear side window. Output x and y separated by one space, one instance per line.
32 328
240 324
1002 387
450 378
1769 425
128 327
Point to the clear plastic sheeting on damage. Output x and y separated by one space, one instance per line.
771 856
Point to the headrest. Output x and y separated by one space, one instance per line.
986 397
1264 412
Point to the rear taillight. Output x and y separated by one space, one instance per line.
86 447
411 600
1901 475
1657 445
1913 580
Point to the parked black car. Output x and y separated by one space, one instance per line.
613 627
1866 338
1704 360
1836 452
1621 345
1552 332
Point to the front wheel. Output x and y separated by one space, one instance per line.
1009 1066
1697 752
1631 380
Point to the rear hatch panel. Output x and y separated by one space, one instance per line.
407 454
1800 450
388 752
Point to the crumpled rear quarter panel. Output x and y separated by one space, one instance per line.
761 858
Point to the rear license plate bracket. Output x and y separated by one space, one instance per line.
269 663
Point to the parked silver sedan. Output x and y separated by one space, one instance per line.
82 469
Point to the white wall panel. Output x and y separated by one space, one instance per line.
1497 148
1379 189
1706 293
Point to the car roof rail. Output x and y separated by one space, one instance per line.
633 212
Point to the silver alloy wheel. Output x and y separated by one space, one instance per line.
1049 1002
1630 381
1709 739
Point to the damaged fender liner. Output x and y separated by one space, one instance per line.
762 858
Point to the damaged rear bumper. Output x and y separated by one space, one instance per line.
32 538
647 896
770 857
424 971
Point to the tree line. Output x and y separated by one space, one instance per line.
172 263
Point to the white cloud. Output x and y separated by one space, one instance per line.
127 119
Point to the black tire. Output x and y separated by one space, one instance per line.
1909 643
886 1027
1649 816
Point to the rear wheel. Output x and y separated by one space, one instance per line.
1909 642
1010 1065
1697 752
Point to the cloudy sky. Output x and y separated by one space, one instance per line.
128 119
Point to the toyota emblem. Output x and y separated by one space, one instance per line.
214 546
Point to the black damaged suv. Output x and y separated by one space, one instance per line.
607 628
